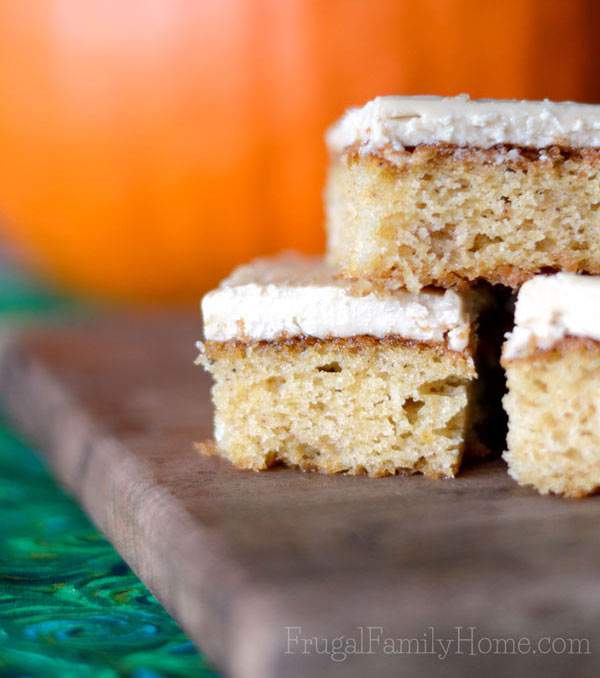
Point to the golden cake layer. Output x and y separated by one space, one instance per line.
354 405
445 215
553 405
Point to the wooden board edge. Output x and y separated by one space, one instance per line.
92 466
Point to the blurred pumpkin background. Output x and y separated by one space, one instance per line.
147 146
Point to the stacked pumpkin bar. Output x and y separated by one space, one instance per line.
368 363
319 372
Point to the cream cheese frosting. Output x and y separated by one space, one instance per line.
293 296
551 307
394 122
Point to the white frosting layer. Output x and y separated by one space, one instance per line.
394 122
551 307
291 296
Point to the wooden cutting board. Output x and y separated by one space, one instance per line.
266 570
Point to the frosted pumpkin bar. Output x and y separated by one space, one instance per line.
552 362
312 372
443 191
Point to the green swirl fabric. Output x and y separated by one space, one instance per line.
69 606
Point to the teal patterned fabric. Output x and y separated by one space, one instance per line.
69 606
23 297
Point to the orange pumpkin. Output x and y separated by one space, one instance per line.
147 146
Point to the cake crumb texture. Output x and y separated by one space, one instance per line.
442 215
553 406
359 406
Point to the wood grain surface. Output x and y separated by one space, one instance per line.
256 565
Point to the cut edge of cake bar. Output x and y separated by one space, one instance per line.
552 363
447 190
316 372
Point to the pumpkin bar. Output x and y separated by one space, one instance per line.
552 362
316 372
444 191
